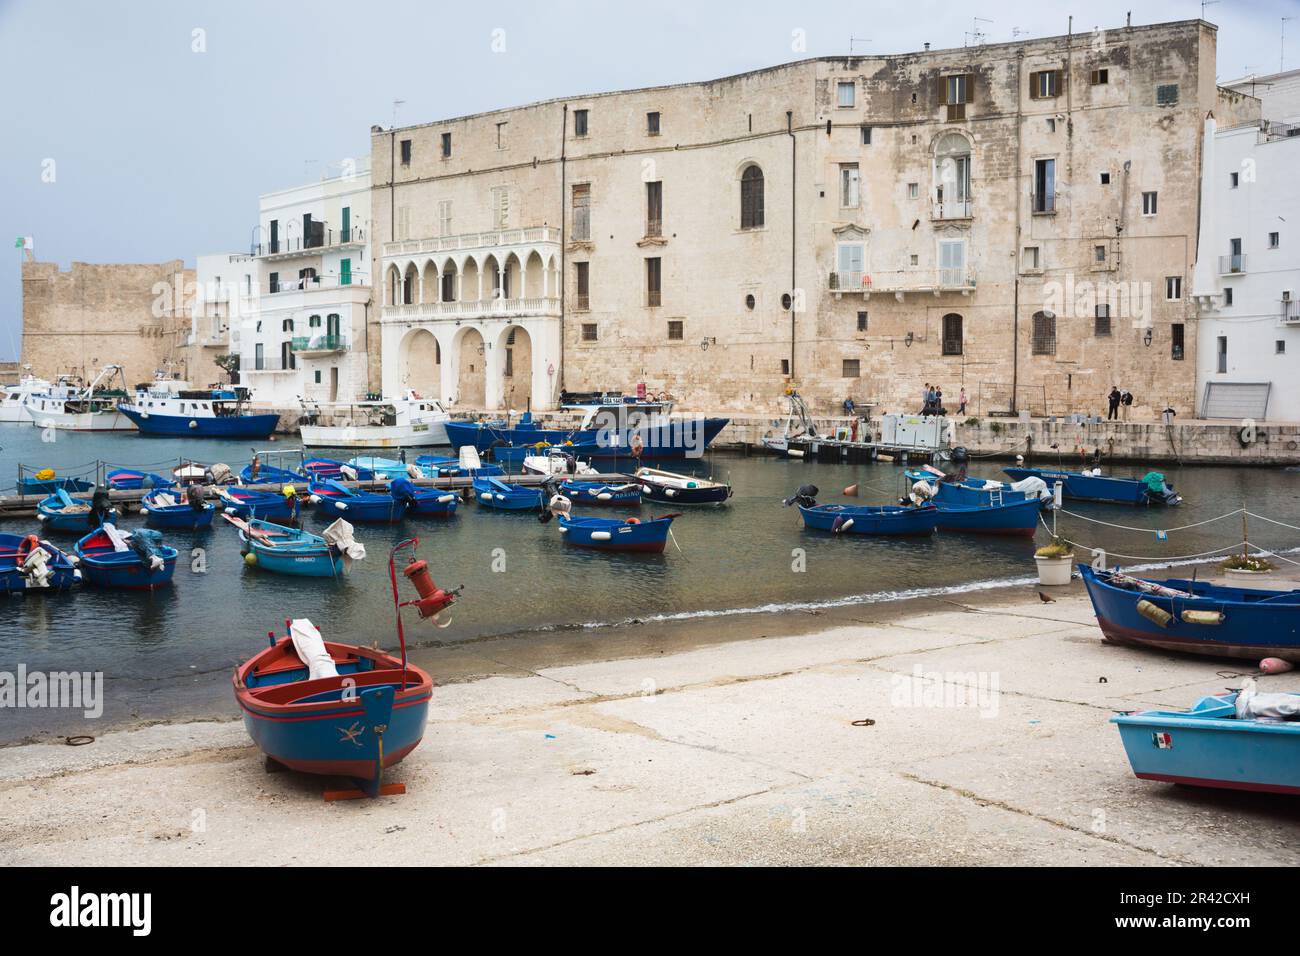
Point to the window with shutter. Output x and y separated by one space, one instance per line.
582 211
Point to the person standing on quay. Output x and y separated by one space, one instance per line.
961 401
1113 398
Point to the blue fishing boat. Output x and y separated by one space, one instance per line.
334 500
256 473
267 505
969 490
1009 517
347 711
35 485
1094 486
383 469
204 413
61 512
871 519
1195 617
434 466
601 493
1214 744
131 479
164 509
29 564
667 486
512 456
291 551
332 469
135 561
612 534
424 502
504 496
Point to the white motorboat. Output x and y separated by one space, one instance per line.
408 422
71 408
13 396
557 462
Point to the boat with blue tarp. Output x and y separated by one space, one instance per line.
1151 489
134 561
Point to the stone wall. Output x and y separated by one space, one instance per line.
134 315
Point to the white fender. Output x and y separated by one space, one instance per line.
604 496
670 492
846 525
600 536
341 506
193 423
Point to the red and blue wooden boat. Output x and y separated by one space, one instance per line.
871 519
611 534
1195 617
1211 745
334 500
141 564
600 493
162 509
131 479
267 505
20 573
424 502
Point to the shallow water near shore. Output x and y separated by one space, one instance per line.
173 650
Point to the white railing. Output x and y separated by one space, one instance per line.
951 209
473 240
913 280
430 311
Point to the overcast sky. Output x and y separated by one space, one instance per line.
160 152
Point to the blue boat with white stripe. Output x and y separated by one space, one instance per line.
601 493
188 512
132 561
504 496
61 512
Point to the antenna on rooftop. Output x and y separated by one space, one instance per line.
397 104
1206 3
1018 32
853 40
1281 60
977 36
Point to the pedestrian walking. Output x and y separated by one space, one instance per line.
1113 398
961 401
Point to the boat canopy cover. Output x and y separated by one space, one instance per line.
310 648
1251 703
148 544
339 536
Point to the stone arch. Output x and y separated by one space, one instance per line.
753 187
429 281
471 277
516 348
393 284
449 281
472 352
410 284
535 284
491 277
952 167
420 363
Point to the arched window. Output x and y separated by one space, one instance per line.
313 322
1044 333
286 325
952 171
751 198
952 338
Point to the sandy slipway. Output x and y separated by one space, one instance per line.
729 753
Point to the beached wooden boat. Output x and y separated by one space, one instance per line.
600 492
134 561
291 551
612 534
1195 617
1094 486
334 500
345 710
668 486
61 512
1212 745
164 509
871 519
28 564
504 496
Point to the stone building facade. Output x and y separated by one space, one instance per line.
136 315
1017 219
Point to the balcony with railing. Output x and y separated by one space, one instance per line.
1291 311
312 345
949 209
417 312
916 281
473 240
1043 204
306 245
1234 264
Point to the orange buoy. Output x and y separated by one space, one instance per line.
851 491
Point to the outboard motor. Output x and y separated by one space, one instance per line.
805 496
197 496
960 458
556 503
402 490
101 507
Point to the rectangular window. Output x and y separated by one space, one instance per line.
1221 355
913 190
849 265
1051 124
1173 288
1167 94
1044 342
582 211
675 330
273 282
952 263
1044 186
584 284
317 376
1274 239
785 366
653 277
589 331
406 152
1101 321
579 122
1099 254
654 209
1149 204
1279 347
1044 84
866 135
1227 295
848 185
952 334
852 368
1176 350
1100 77
1031 258
956 88
1233 180
652 124
444 217
862 321
446 145
844 93
447 293
501 134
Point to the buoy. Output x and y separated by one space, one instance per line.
1202 617
1154 613
600 536
341 506
604 496
250 559
1275 665
193 423
851 491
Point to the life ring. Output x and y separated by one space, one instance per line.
633 520
26 547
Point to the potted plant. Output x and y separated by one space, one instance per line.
1246 564
1055 561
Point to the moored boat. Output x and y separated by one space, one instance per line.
667 486
601 493
70 407
335 500
1221 742
1008 517
1195 617
13 396
165 409
1094 486
505 496
247 503
557 461
408 422
612 534
29 564
46 482
331 469
871 519
280 550
424 502
180 510
132 561
61 512
132 479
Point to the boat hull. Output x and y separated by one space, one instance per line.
1250 630
113 421
35 486
1207 747
1011 518
81 522
63 575
319 562
512 498
679 438
432 503
600 494
685 496
124 572
363 507
264 505
1080 487
420 435
608 534
874 520
215 426
178 517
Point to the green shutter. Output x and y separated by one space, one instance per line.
345 268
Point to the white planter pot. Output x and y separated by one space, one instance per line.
1246 573
1054 571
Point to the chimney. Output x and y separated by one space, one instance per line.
927 47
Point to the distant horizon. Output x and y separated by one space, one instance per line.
157 142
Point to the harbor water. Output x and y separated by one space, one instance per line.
171 652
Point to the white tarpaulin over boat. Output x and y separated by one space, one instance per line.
310 648
339 536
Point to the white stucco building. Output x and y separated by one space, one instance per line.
226 291
1247 276
306 339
